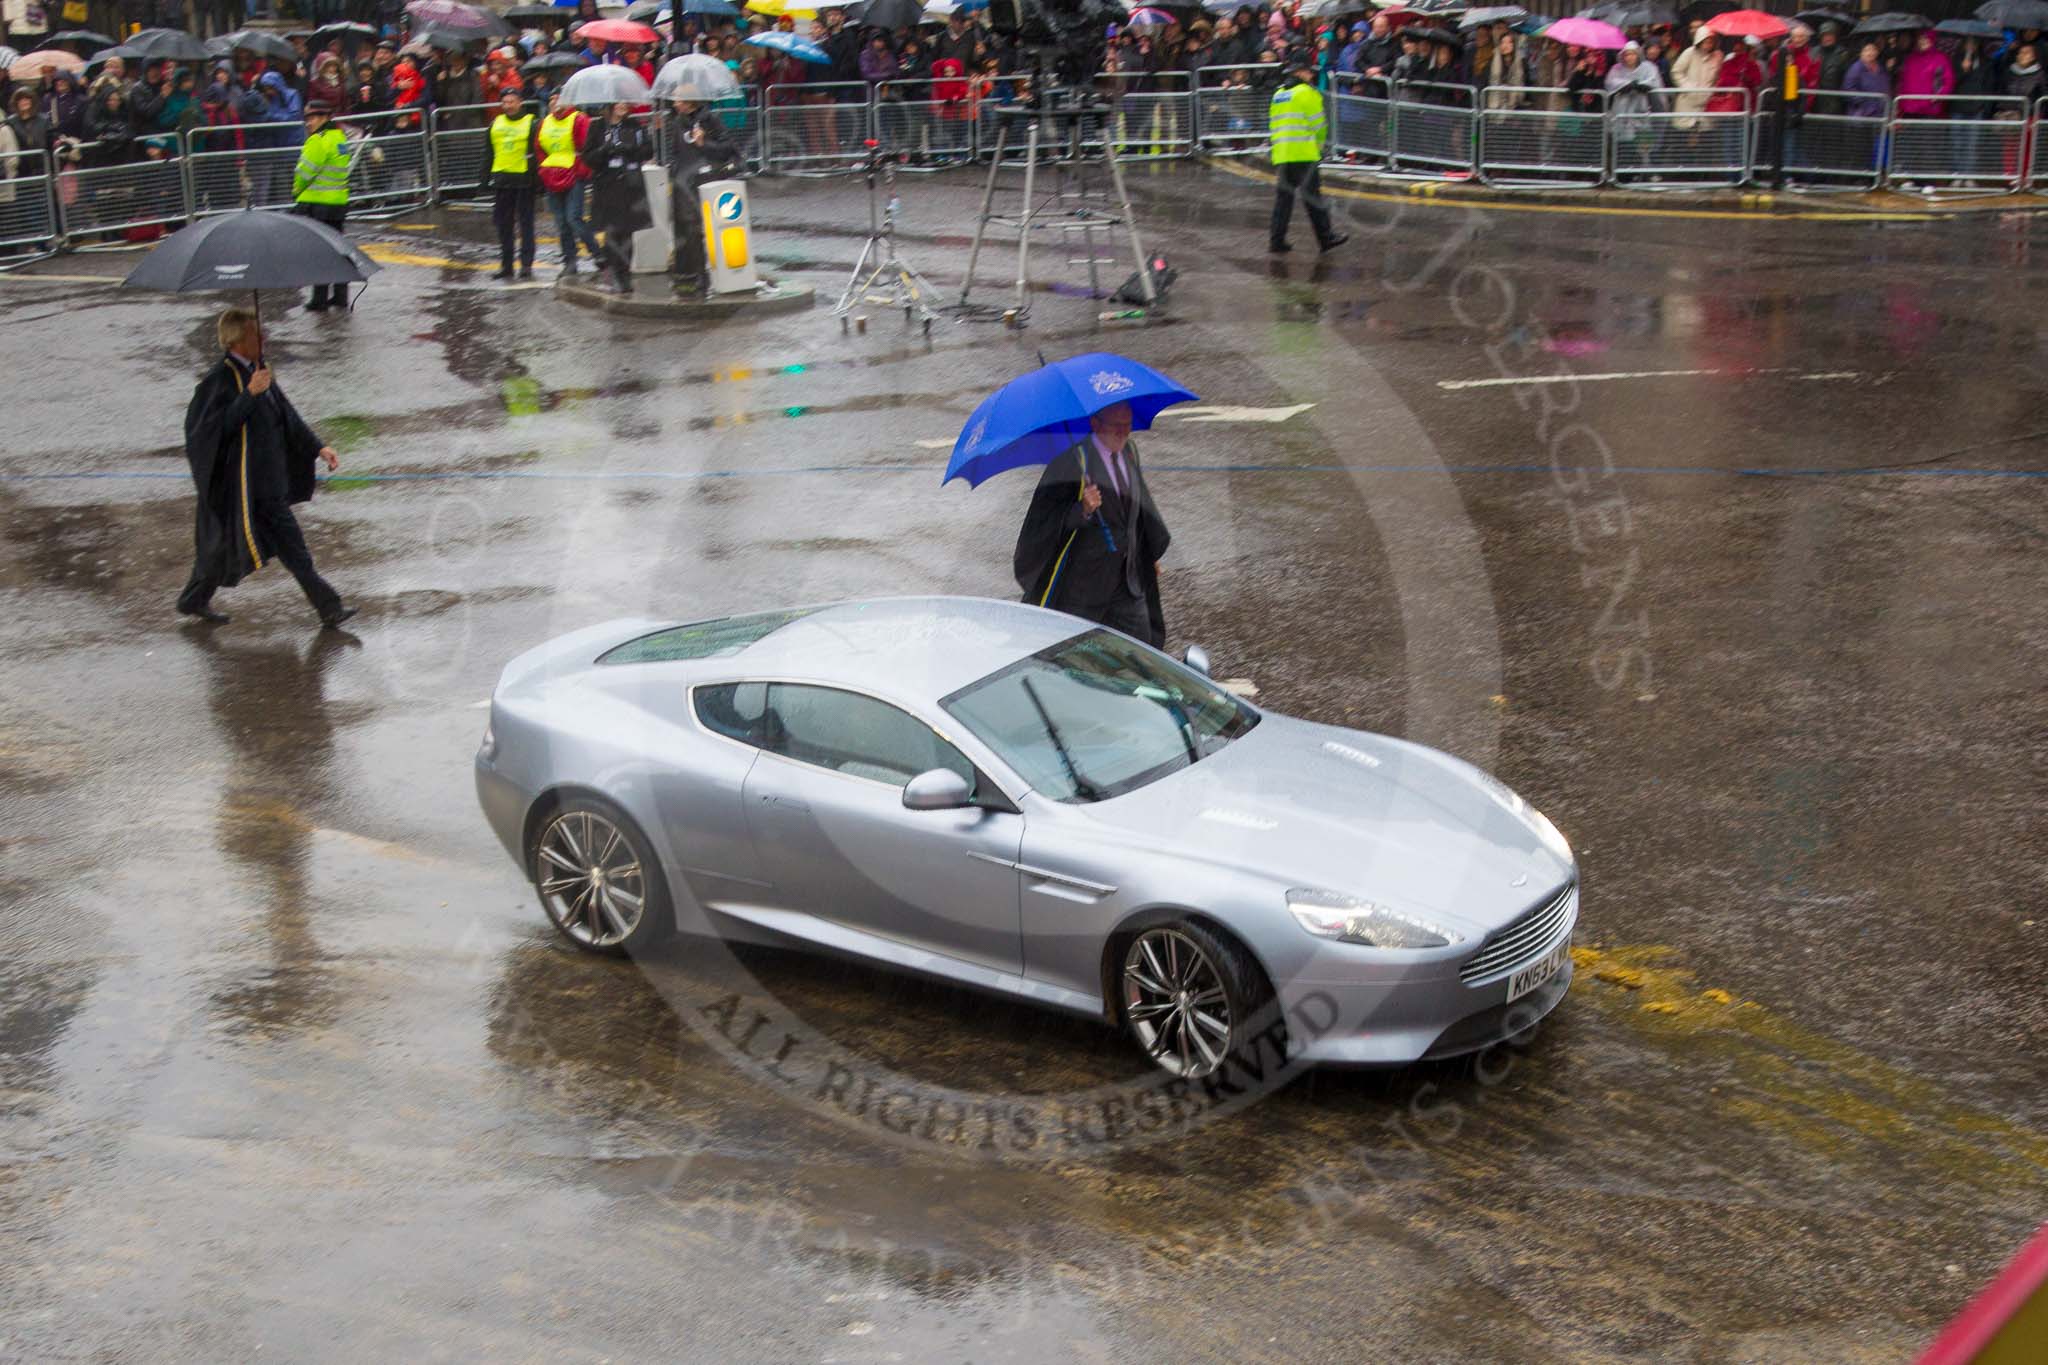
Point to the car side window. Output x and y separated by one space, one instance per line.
855 734
734 710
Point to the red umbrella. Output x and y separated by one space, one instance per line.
1745 23
618 31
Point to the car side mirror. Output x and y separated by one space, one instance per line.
939 789
1197 658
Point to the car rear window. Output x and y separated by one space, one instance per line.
701 639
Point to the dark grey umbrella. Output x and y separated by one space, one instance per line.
84 39
541 14
222 46
166 45
1814 18
2015 13
1892 23
99 59
1491 14
352 35
253 249
444 40
1969 28
262 44
889 14
555 61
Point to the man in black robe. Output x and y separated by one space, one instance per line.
1092 538
252 457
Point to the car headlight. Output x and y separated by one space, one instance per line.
1331 914
489 748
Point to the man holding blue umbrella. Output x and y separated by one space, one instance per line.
1092 537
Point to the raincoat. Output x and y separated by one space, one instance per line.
1925 73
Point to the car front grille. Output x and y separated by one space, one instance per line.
1526 940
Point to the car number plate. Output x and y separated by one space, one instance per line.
1534 975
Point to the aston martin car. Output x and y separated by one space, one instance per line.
1018 801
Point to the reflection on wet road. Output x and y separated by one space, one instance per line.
1747 595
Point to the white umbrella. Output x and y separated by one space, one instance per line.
696 77
8 57
606 85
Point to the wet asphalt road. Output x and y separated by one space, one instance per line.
1748 596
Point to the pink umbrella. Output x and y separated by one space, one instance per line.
38 64
1586 33
1743 23
619 31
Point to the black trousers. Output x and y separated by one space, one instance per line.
276 527
334 215
1303 179
512 207
688 220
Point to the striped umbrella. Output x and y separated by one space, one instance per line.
1149 17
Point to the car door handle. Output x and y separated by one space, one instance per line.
788 802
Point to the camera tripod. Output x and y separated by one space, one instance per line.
890 282
1069 206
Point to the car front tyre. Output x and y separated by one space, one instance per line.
1191 997
598 880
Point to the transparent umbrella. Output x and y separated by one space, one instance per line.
697 78
606 85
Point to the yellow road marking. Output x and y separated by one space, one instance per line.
384 255
1811 1089
1427 192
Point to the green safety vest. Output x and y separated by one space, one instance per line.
322 174
1296 123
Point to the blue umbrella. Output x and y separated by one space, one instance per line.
1035 417
801 48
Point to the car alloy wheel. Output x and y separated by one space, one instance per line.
591 878
1176 1002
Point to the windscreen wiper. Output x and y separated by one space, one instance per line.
1082 786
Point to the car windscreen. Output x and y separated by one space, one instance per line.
1098 715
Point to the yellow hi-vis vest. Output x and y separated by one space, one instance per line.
509 139
558 142
321 176
1295 121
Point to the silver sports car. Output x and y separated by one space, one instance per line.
1014 800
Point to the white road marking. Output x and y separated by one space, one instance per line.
1517 381
1240 414
936 444
8 278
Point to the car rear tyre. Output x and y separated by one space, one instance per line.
598 880
1190 996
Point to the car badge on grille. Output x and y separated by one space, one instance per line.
1522 880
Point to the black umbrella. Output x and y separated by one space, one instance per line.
1892 23
1707 9
541 14
1969 28
1491 14
1814 18
351 35
555 61
262 44
99 59
1639 15
302 34
222 46
76 37
253 249
165 45
890 14
2015 13
1435 35
444 40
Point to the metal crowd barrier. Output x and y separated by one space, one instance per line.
1829 151
28 207
912 120
820 125
1435 128
236 166
1153 123
461 153
120 197
1360 113
1979 154
1678 148
392 168
1231 105
1524 143
2035 164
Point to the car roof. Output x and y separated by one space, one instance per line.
915 648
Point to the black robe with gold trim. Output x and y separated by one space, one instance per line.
243 450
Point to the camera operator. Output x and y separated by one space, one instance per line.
700 149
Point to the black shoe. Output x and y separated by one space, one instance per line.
1337 241
568 272
1278 248
504 274
333 619
318 304
625 284
526 272
206 614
